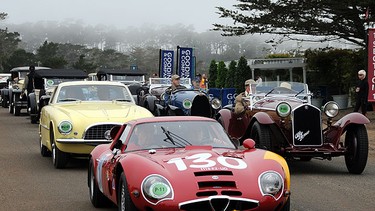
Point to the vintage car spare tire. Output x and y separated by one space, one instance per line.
356 141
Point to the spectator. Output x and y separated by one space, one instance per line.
259 80
241 104
361 93
29 80
203 82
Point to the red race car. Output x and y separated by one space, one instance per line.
185 163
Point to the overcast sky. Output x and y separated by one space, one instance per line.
119 13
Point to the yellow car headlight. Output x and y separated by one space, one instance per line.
65 127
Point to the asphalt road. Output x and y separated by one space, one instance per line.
29 181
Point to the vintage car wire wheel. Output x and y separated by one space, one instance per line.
16 109
59 158
10 108
261 135
125 203
356 142
97 198
4 101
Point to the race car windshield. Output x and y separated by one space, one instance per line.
178 135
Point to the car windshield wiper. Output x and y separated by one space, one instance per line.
68 99
269 92
123 100
174 138
299 92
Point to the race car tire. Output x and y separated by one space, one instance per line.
286 206
356 142
59 158
44 150
97 198
124 200
261 134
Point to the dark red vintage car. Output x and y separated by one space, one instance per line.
185 163
280 117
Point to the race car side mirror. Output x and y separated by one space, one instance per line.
249 143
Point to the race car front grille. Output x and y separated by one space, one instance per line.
218 203
306 124
211 173
97 132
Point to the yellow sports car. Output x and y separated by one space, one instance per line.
80 115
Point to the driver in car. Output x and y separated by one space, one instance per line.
175 86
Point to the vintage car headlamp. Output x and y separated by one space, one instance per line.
331 109
65 127
187 103
270 183
283 109
156 187
216 103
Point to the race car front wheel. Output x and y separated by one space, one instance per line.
356 143
124 201
97 198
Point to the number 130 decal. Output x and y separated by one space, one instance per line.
203 160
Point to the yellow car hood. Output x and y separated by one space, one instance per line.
102 110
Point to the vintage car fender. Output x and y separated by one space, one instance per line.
4 92
150 100
352 118
262 118
223 117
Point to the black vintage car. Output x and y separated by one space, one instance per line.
134 79
13 94
45 81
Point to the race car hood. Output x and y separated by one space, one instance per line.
202 171
103 110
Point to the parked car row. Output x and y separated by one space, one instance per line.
199 156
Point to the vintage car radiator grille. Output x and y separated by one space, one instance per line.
97 132
306 124
201 106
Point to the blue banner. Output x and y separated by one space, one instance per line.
185 63
226 95
166 63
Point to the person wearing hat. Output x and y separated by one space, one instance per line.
175 84
240 103
361 93
29 80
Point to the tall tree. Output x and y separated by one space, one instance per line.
241 75
20 58
83 64
329 19
8 43
48 57
229 81
221 75
212 74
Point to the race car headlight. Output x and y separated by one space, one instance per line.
65 127
270 183
331 109
156 187
187 104
215 103
283 109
